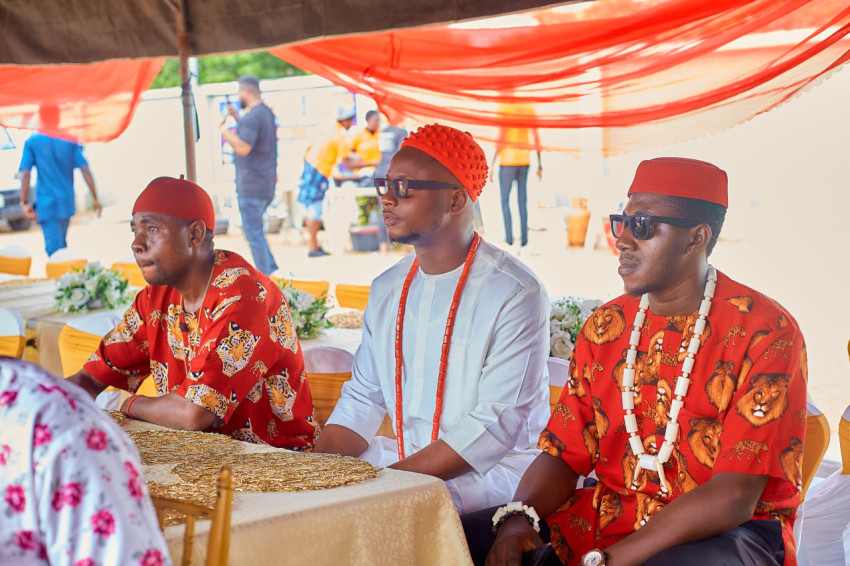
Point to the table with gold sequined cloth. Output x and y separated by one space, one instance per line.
286 510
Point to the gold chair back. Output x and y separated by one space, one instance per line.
352 296
15 265
75 348
131 272
325 389
315 288
57 269
218 543
817 440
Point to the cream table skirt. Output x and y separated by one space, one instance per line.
395 518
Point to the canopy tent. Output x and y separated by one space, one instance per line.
635 72
96 102
647 73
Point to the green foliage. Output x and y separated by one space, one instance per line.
366 206
226 68
309 315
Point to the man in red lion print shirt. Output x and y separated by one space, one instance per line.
215 333
687 398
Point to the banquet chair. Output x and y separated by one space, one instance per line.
15 260
817 440
822 528
12 334
315 288
77 342
328 368
131 272
218 542
61 262
352 296
559 371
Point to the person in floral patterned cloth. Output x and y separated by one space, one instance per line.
71 485
215 334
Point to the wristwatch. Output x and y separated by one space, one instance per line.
595 557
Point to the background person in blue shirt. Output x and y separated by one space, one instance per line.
55 160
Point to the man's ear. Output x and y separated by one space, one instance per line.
700 237
459 199
197 232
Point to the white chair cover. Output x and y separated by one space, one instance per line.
11 323
327 359
63 254
559 371
98 323
14 251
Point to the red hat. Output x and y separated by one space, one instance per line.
456 150
178 198
682 177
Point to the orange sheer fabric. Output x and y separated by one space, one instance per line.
610 75
95 102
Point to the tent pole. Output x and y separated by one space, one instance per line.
186 85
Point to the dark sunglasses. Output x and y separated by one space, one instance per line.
400 187
639 224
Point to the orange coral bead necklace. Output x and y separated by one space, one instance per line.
444 356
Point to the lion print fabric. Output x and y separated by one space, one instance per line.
745 412
238 356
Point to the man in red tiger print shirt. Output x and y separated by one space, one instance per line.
215 333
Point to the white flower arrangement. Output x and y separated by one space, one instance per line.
567 316
91 287
309 314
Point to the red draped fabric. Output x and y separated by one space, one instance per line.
95 102
610 75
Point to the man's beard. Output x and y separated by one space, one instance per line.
408 240
160 277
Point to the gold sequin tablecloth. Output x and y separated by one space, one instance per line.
394 518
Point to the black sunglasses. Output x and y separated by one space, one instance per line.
400 187
639 224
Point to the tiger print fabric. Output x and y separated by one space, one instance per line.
745 412
238 357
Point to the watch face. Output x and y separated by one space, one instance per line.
593 558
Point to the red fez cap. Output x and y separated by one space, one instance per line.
681 177
456 150
178 198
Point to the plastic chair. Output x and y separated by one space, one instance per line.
61 262
559 373
218 543
131 272
328 368
352 296
12 334
15 260
315 288
817 440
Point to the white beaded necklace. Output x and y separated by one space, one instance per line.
655 462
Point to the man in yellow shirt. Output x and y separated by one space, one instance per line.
514 159
365 142
321 157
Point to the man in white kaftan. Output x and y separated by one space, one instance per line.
495 400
